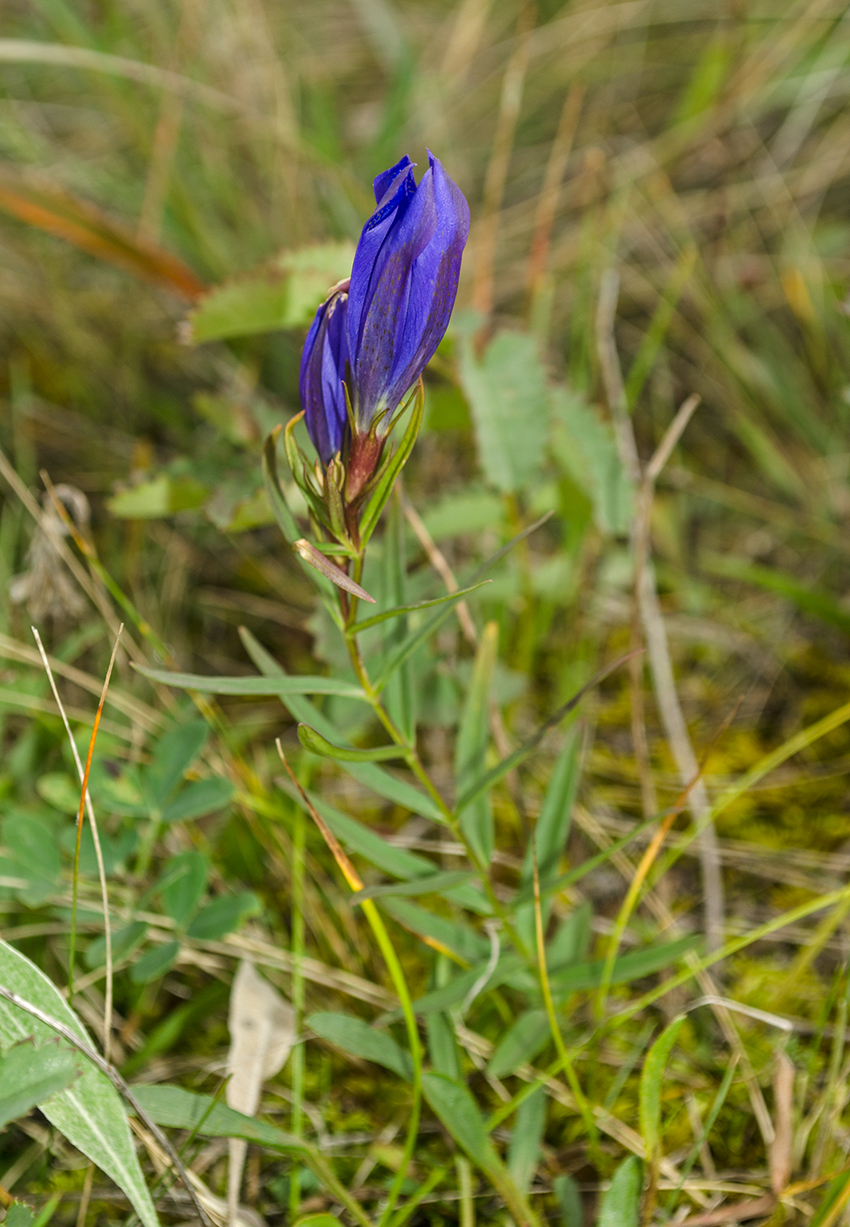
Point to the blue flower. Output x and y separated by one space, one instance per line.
323 369
402 290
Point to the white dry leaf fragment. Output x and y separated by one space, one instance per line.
262 1032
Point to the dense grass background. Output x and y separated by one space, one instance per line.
702 156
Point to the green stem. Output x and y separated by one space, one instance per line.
400 985
296 1120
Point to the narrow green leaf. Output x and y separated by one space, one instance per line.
403 610
371 776
124 942
29 1075
173 1107
253 687
651 1083
379 497
455 934
358 1039
628 967
317 744
454 1105
471 746
317 1220
526 1139
524 1040
568 1197
620 1204
487 781
400 694
89 1112
435 883
418 636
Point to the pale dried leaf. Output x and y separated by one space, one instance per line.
262 1032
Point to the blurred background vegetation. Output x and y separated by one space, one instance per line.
153 149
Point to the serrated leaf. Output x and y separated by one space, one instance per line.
89 1112
586 448
19 1215
199 798
507 393
620 1204
357 1038
253 687
284 294
30 1075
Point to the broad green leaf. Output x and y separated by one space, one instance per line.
468 512
19 1215
359 838
182 886
124 942
317 744
473 737
253 687
29 1075
524 1040
357 1038
368 774
173 755
199 798
435 883
455 934
161 496
154 963
173 1107
453 1103
403 610
586 448
507 393
224 915
526 1139
651 1085
284 294
88 1113
620 1204
33 858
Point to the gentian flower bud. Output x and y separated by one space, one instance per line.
323 370
403 285
375 335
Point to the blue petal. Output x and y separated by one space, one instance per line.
386 179
373 248
385 301
323 369
432 284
